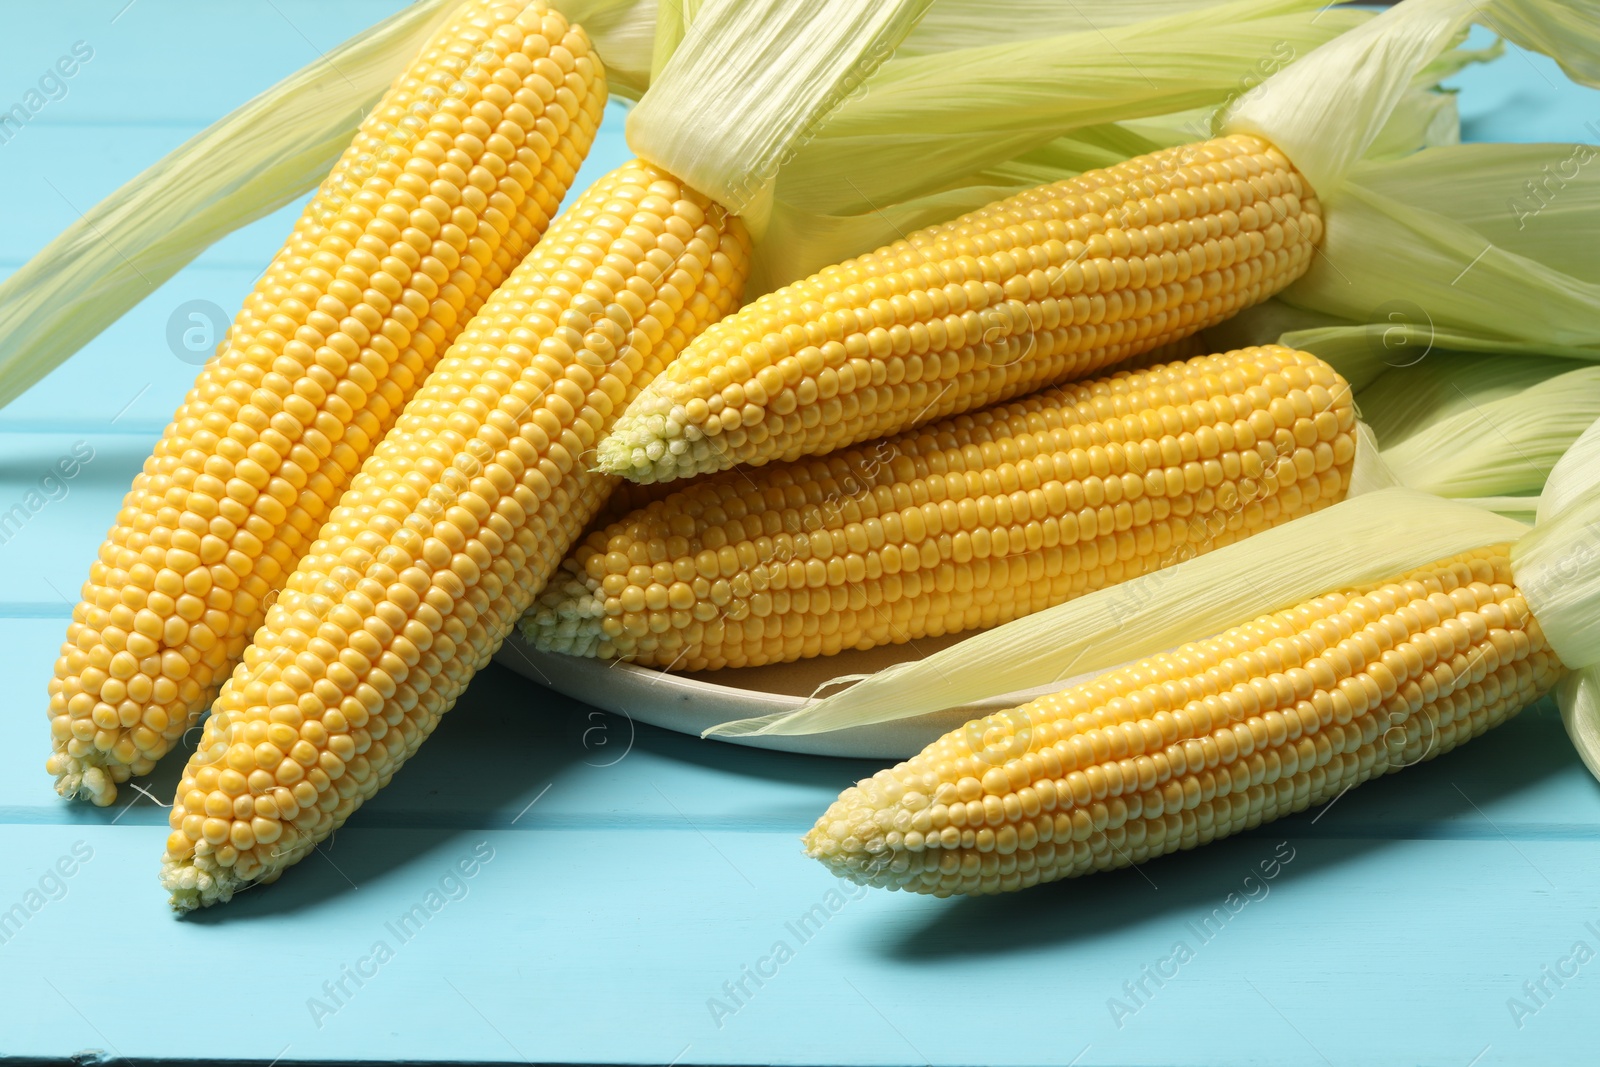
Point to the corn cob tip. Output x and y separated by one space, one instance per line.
655 440
848 838
196 879
567 618
78 779
192 888
196 884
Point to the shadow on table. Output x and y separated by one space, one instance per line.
488 762
489 755
833 773
114 462
507 742
1446 797
721 757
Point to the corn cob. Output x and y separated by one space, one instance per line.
965 523
446 187
1219 736
1048 285
449 529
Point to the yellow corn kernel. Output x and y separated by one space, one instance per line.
449 529
963 524
448 184
1048 285
1181 748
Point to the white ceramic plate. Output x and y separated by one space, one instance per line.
693 702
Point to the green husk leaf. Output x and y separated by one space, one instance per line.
1423 115
1520 508
1455 61
806 237
1470 246
1326 111
1365 539
799 243
1578 697
672 25
1570 484
1102 145
1495 444
1405 400
925 121
938 102
1264 323
1537 200
1454 280
1569 479
623 32
1423 118
1361 352
1557 566
951 25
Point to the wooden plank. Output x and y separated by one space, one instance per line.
168 61
613 946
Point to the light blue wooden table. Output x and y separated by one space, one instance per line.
630 888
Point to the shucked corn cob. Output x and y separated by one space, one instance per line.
450 181
962 524
1048 285
1219 736
449 529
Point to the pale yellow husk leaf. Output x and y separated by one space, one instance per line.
748 81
